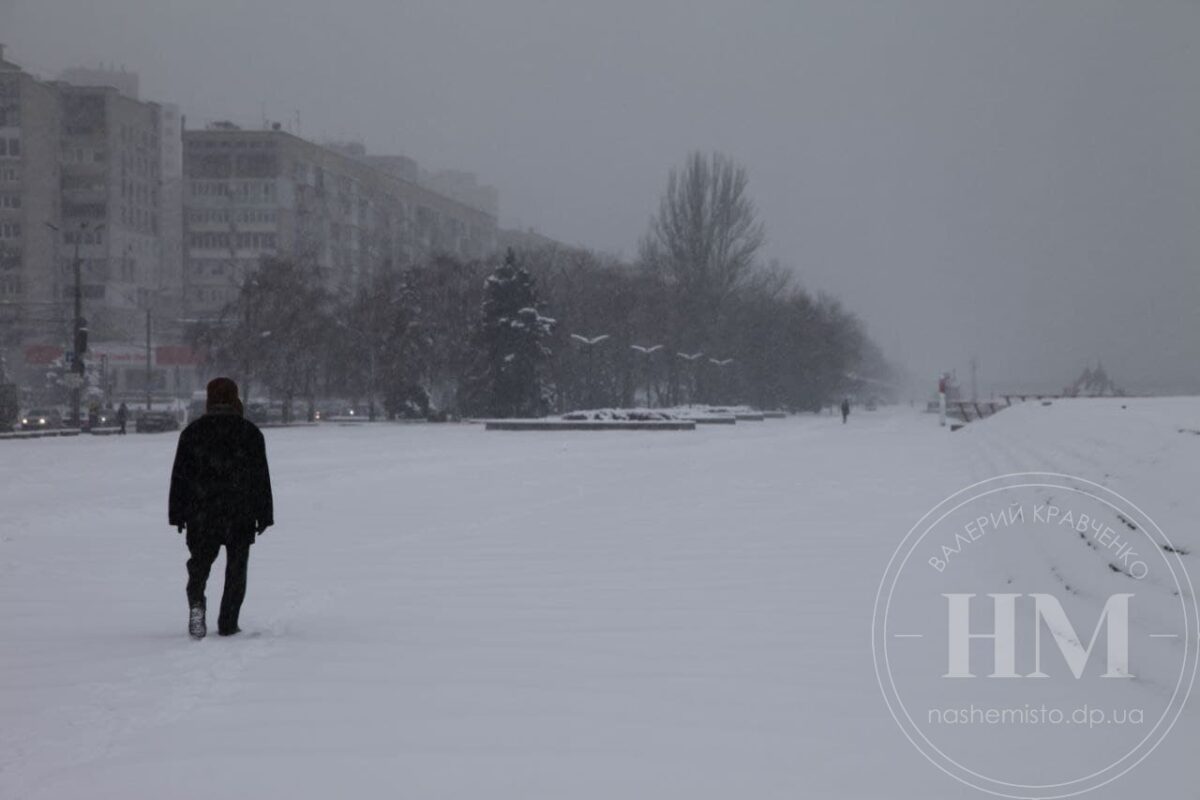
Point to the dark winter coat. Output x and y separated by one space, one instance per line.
220 480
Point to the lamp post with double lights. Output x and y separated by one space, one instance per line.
721 364
590 343
648 351
691 359
80 340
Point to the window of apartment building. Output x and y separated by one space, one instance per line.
10 103
10 258
70 182
209 240
83 237
211 165
210 189
10 201
10 230
90 292
95 267
256 165
8 174
10 286
10 147
256 241
85 210
208 216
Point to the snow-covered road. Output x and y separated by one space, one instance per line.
443 612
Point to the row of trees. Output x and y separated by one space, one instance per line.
697 318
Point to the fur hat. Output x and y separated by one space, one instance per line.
222 392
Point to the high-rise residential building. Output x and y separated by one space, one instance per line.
31 303
255 193
111 172
122 175
123 81
465 188
170 285
165 222
89 172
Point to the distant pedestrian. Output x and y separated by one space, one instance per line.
221 493
122 417
845 409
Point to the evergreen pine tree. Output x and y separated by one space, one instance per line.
511 343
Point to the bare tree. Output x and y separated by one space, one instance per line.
703 241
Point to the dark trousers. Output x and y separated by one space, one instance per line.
203 547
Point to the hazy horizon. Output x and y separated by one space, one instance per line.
1018 182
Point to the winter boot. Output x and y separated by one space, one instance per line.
196 627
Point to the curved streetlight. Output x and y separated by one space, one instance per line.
691 358
590 343
720 364
648 351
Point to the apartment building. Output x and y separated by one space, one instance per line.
111 211
83 174
30 303
255 193
165 222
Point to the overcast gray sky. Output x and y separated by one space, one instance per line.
1016 180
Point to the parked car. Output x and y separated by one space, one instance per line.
156 422
41 419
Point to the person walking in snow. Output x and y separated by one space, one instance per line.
845 409
122 416
221 494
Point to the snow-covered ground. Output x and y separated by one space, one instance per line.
444 612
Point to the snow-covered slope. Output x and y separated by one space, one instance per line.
443 612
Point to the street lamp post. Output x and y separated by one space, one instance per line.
149 360
720 364
590 343
648 352
80 326
370 368
691 358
